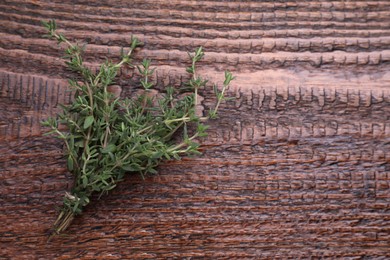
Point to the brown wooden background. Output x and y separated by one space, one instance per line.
297 166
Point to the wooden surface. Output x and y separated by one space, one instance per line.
297 166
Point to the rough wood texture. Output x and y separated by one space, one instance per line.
297 166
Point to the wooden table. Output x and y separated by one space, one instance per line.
297 165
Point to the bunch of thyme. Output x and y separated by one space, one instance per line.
106 137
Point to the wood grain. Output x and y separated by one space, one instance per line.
297 165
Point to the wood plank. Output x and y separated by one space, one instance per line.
295 167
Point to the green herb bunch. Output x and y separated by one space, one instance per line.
106 137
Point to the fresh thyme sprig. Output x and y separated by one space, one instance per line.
107 137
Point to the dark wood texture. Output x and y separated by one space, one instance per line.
297 166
